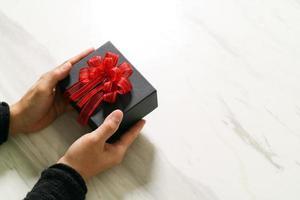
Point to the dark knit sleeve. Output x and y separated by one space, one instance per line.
58 182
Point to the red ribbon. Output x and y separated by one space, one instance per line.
102 80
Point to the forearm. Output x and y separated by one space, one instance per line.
58 182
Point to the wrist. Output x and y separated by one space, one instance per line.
14 127
65 161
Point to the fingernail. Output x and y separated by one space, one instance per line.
66 66
116 116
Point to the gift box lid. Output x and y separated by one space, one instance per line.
135 105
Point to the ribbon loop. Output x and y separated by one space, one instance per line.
124 86
125 69
94 61
113 56
110 97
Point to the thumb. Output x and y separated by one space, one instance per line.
109 126
57 74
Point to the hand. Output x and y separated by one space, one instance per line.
90 154
42 104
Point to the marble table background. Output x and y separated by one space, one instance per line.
227 75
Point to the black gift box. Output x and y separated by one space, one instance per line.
135 105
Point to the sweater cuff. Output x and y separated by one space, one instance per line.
59 182
73 174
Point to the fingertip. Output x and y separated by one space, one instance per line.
118 113
140 124
110 124
66 66
116 116
90 50
130 135
143 121
136 129
80 56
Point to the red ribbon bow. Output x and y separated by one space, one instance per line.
102 80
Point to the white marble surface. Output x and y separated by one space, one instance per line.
227 73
